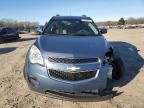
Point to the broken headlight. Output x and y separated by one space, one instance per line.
108 58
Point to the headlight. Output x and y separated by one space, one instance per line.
35 56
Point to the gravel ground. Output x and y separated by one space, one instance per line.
14 92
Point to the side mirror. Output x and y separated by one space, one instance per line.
102 30
40 31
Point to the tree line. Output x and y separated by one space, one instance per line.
122 21
27 25
19 25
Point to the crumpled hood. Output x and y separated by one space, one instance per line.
72 46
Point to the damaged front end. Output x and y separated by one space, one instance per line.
115 62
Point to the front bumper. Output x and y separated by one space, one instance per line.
44 83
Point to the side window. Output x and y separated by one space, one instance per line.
9 30
4 31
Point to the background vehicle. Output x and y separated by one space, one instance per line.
8 34
34 32
23 32
71 57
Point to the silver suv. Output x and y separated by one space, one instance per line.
71 57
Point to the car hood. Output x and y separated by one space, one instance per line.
72 46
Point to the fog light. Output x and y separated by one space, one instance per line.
33 81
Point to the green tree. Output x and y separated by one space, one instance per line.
121 21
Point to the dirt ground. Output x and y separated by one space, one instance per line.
14 92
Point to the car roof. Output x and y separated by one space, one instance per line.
71 17
8 28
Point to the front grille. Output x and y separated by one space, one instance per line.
72 60
72 76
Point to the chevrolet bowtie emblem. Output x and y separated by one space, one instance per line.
73 68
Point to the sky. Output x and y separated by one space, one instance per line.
42 10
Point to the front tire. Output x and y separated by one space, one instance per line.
117 69
17 36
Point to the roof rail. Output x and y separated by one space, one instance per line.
84 16
57 14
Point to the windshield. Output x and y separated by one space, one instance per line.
71 27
